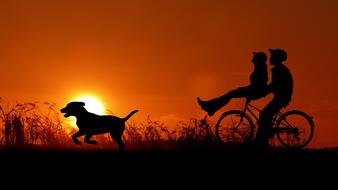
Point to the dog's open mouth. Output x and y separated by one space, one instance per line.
66 115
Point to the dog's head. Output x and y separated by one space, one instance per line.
73 109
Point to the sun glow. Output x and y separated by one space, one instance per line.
92 104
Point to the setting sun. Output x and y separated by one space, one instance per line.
92 104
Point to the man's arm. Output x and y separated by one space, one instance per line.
268 89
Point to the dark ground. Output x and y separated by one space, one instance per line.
169 166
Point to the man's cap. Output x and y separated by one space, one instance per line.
279 53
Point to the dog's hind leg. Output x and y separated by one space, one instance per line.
76 135
118 140
88 141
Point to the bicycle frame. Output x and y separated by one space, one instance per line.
288 127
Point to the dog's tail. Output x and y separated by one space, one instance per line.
128 116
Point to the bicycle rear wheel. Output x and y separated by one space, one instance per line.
234 127
295 129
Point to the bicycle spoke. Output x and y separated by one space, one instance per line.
234 127
295 129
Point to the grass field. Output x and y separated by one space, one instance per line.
37 147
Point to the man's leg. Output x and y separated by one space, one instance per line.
265 122
215 104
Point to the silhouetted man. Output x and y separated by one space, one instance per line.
282 88
256 89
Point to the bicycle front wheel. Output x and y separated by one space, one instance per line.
295 129
234 127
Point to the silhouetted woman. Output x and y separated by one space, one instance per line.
255 90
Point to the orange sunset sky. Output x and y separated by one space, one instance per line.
159 55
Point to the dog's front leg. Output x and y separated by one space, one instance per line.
76 135
87 139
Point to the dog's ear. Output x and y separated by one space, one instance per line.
82 104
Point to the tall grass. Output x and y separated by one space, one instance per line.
156 135
36 124
31 124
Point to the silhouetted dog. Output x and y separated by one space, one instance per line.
91 124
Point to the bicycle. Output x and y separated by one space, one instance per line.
294 129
